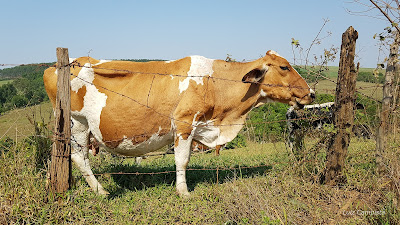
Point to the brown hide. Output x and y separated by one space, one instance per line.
142 99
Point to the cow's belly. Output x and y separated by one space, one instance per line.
128 147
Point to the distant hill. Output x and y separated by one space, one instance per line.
23 70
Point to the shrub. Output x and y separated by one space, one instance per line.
6 144
310 75
369 77
238 142
267 123
19 101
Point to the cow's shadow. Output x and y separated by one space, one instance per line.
151 177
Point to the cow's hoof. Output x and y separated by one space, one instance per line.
103 192
185 194
182 191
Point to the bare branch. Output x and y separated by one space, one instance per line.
386 15
315 39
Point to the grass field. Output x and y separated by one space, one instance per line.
2 82
371 90
15 123
277 190
281 191
332 71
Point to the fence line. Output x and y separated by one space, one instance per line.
75 64
179 75
56 135
217 169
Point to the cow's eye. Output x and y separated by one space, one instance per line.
284 68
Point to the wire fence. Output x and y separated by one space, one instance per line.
76 64
247 124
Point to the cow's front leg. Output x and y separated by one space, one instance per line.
182 156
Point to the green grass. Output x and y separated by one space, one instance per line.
371 90
2 82
332 71
280 191
15 123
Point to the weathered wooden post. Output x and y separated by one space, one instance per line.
388 102
343 110
60 169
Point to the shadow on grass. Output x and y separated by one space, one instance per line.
194 176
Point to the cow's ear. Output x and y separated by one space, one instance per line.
254 75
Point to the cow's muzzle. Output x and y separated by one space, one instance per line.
298 103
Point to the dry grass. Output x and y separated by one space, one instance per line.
15 123
276 194
282 191
368 89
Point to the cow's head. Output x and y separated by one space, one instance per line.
279 81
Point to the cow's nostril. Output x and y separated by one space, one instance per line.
312 95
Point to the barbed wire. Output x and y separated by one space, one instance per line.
217 169
74 64
77 64
312 73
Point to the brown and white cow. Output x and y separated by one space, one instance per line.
133 108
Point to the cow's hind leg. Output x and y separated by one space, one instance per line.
79 155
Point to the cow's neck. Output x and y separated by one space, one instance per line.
234 99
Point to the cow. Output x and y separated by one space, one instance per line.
312 119
132 108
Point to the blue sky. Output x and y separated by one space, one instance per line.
31 30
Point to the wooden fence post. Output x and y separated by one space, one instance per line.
343 110
60 169
387 103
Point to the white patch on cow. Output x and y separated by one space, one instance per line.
93 101
169 61
85 75
102 61
155 142
264 99
211 136
71 60
172 77
200 67
206 133
263 94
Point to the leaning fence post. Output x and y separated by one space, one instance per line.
343 110
60 169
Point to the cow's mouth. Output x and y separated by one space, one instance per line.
298 103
